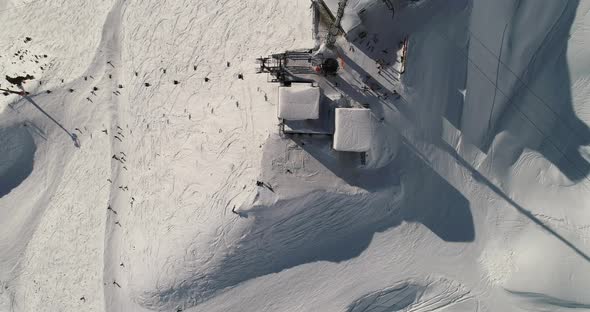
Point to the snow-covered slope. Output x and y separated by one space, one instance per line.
473 197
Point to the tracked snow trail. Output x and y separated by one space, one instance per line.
185 163
112 42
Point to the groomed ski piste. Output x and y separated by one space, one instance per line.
474 195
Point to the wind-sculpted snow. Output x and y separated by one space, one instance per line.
542 302
438 294
306 229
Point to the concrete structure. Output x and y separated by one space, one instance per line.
353 130
300 101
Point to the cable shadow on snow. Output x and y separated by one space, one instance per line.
536 109
512 119
498 191
427 110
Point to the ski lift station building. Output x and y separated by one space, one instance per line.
302 111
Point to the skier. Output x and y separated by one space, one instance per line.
111 209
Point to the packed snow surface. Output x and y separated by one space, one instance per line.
145 170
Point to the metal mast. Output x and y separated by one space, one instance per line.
335 27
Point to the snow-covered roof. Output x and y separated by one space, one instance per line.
353 131
300 101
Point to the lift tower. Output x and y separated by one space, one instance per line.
335 27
